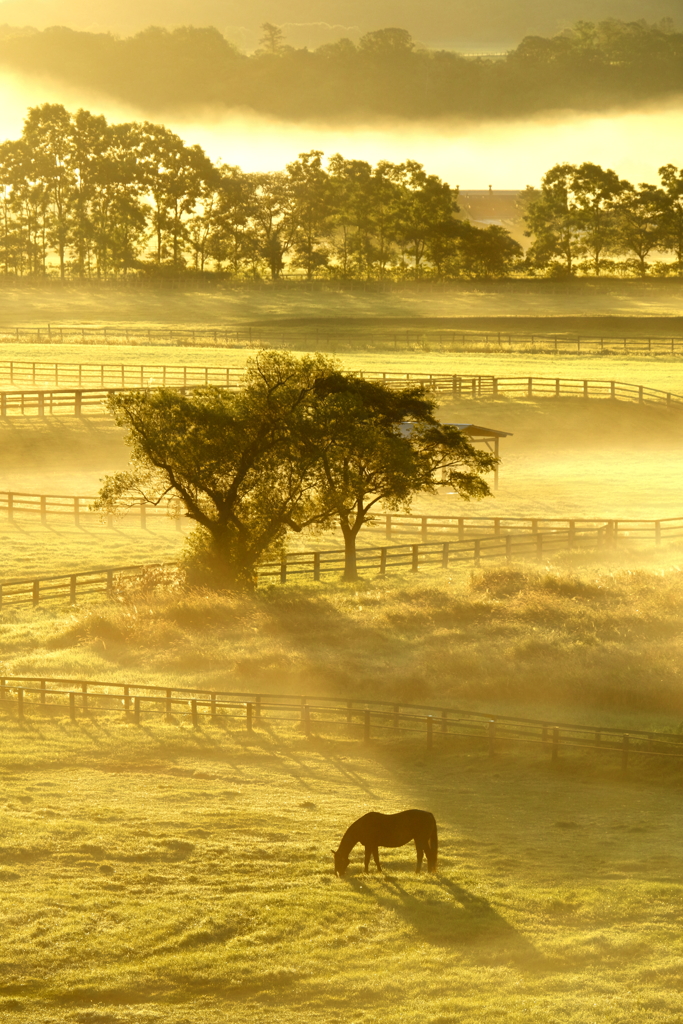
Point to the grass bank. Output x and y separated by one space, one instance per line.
594 641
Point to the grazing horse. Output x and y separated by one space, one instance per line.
374 830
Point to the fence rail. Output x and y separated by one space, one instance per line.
316 564
16 505
79 400
390 340
22 696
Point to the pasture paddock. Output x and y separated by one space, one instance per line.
567 459
168 874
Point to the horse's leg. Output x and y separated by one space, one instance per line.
420 855
368 854
375 854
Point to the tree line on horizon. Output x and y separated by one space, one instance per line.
385 73
84 199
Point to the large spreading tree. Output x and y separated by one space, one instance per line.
300 445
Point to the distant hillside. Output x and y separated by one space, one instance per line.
157 71
452 24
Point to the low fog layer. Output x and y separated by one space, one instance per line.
487 25
506 155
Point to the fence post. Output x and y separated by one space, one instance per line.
382 561
169 705
624 752
366 726
42 691
423 532
316 566
20 703
36 592
430 731
126 699
445 554
193 709
415 557
388 527
41 403
3 405
461 528
444 720
307 722
556 744
213 707
283 569
78 401
303 710
257 708
250 717
658 532
72 707
84 697
43 509
136 710
492 738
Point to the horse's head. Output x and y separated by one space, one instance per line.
341 862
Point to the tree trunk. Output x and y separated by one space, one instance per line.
350 566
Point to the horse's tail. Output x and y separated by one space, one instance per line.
433 854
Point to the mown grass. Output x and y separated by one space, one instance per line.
164 874
661 371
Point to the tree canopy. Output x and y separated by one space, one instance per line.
301 445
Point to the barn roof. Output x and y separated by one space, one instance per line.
472 430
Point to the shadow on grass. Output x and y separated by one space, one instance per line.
461 919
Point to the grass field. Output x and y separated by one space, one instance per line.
662 371
161 874
628 302
595 635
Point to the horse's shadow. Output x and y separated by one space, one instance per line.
463 919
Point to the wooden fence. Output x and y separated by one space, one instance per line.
387 339
78 401
380 560
27 696
17 505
